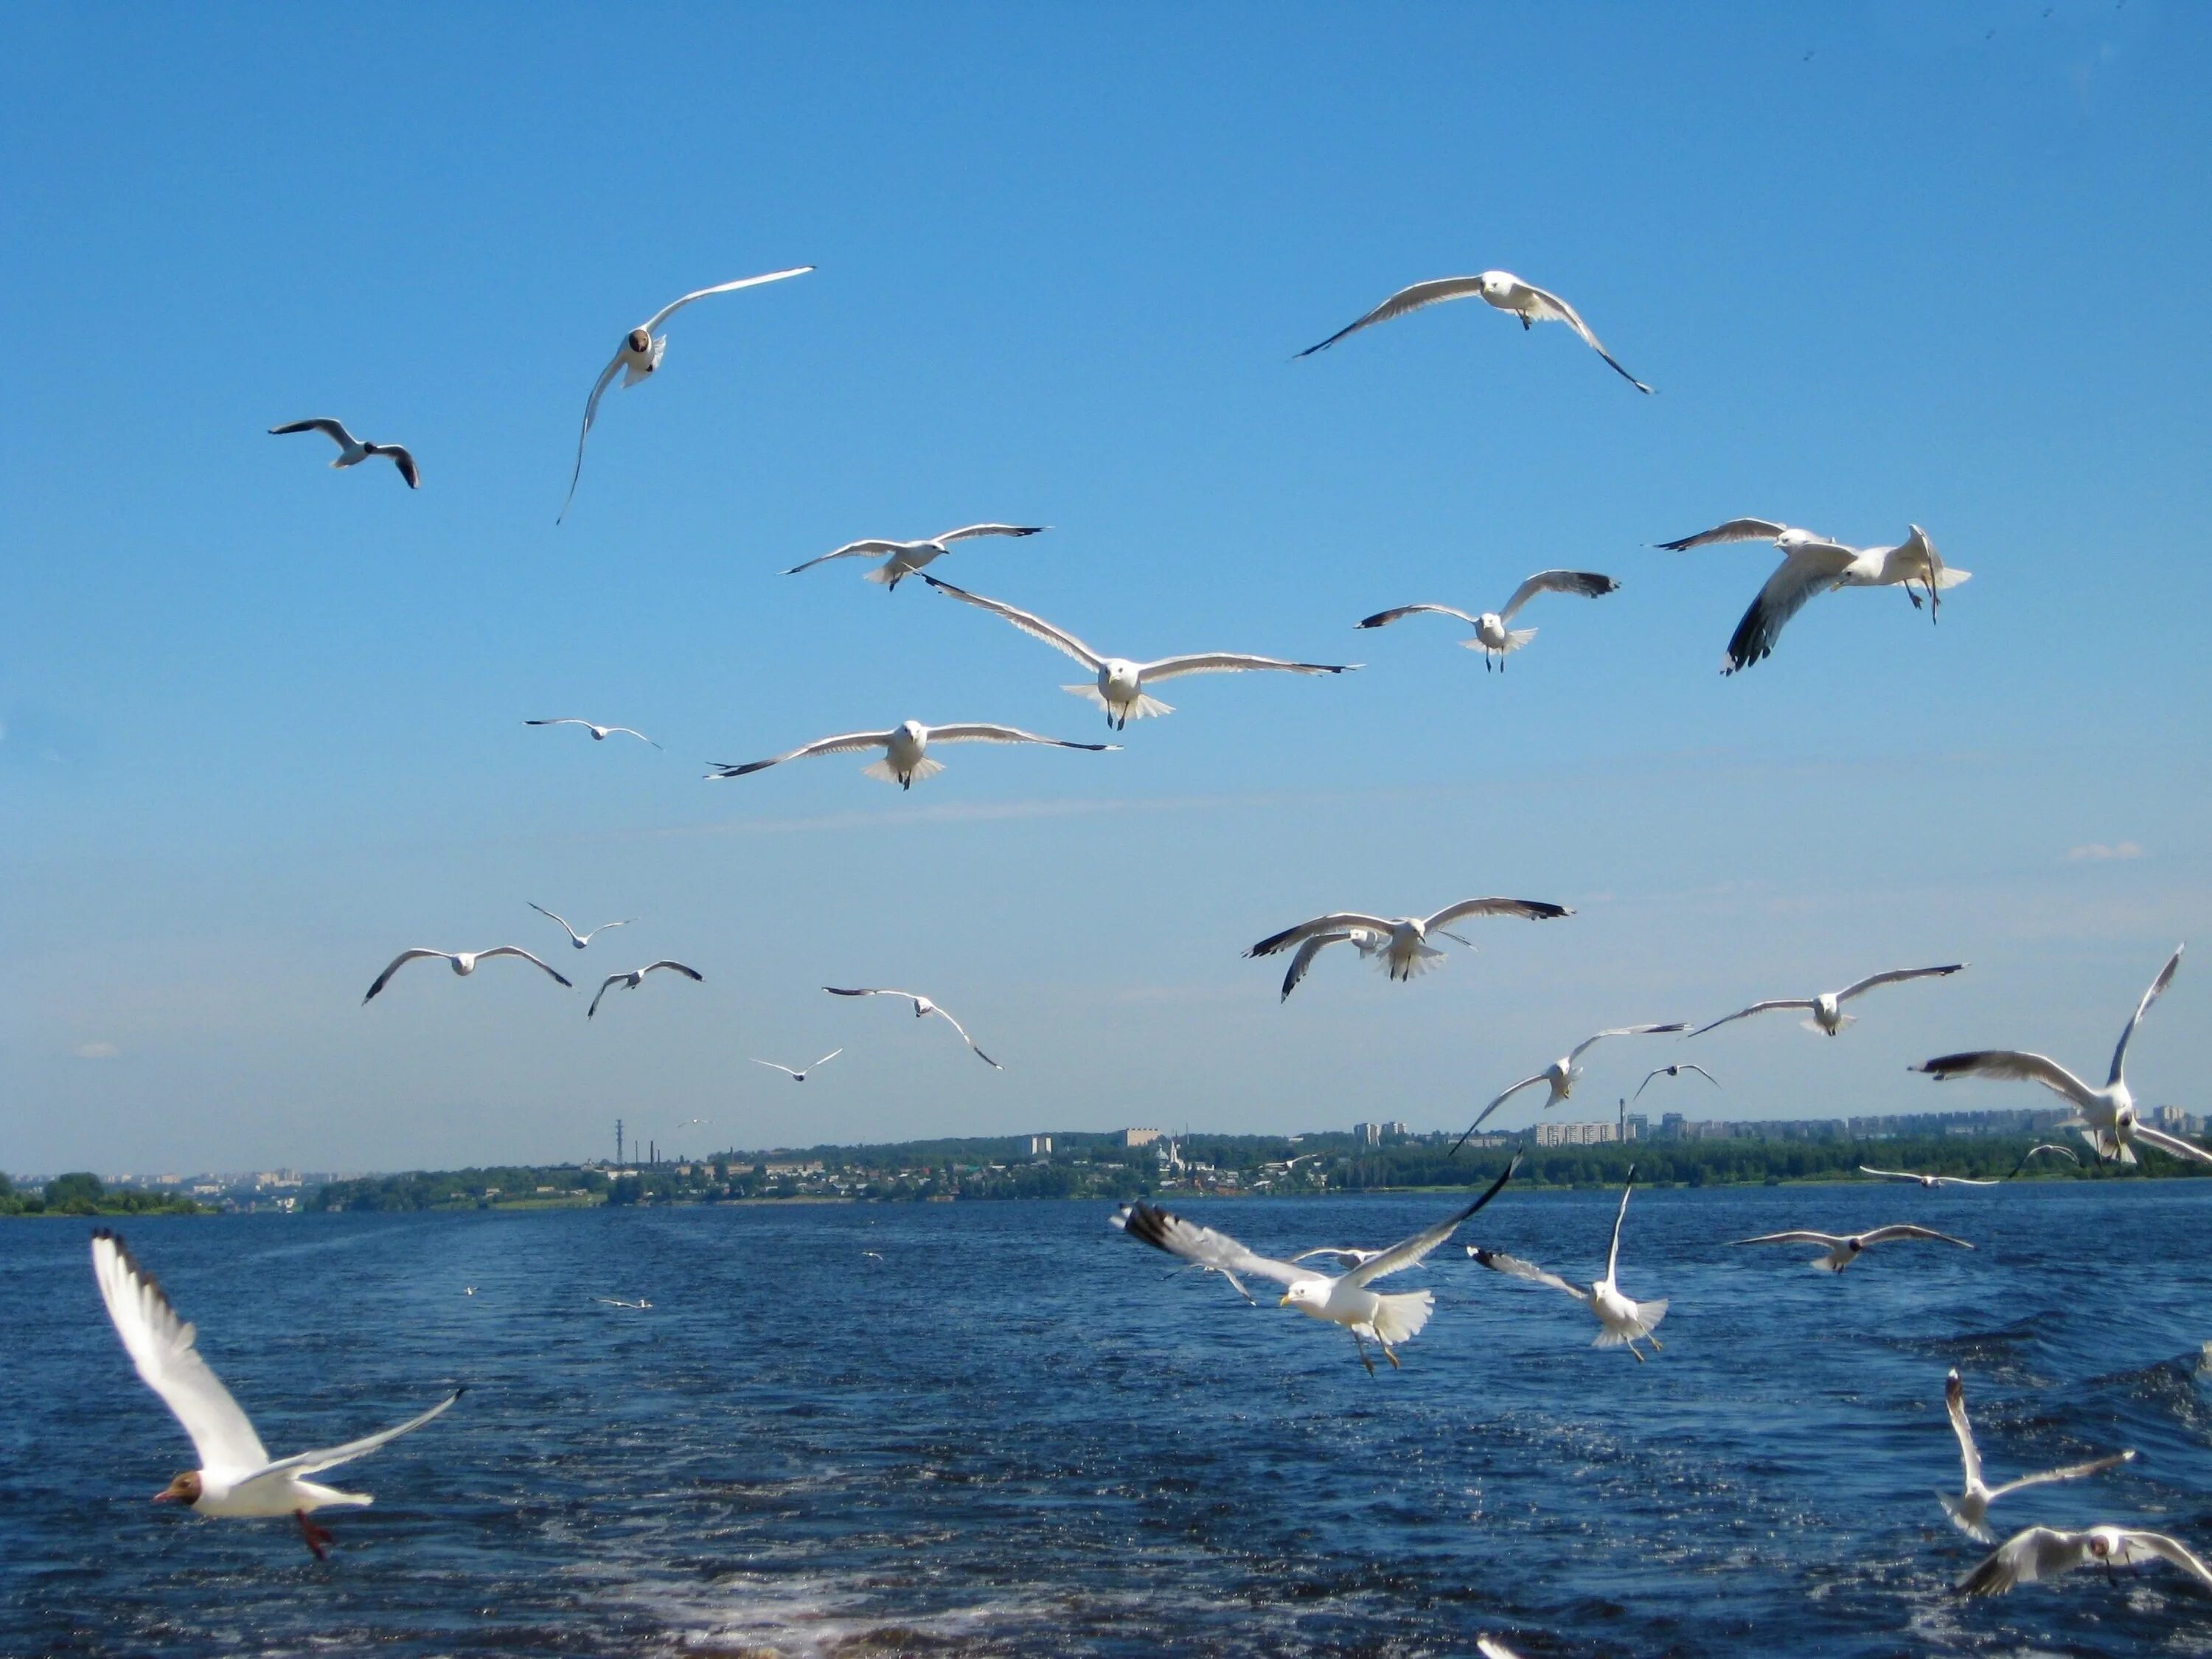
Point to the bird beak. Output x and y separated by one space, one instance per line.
165 1496
1285 1303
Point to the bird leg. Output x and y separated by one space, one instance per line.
318 1539
1657 1346
1388 1354
1364 1359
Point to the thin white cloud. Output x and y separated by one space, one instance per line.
2097 852
95 1051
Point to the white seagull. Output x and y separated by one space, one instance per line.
579 940
1493 634
1813 564
905 748
1501 288
1968 1510
599 734
1621 1322
1399 942
237 1478
1120 687
2044 1553
635 977
640 355
2106 1117
1844 1249
1346 1300
923 1007
902 559
1827 1008
800 1077
464 963
1563 1073
2063 1152
1930 1181
352 452
617 1302
1675 1070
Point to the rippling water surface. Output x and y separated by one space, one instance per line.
1011 1431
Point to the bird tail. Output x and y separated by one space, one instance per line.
924 768
1517 638
1819 1030
1141 709
1951 578
886 574
1973 1529
1425 957
1400 1318
1647 1315
325 1497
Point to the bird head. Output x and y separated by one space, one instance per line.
914 731
1305 1293
2123 1122
185 1488
640 341
2105 1544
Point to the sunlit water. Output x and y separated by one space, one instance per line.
1012 1431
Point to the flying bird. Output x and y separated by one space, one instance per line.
464 963
635 977
800 1077
1930 1181
1675 1070
1494 637
2044 1553
903 559
2106 1117
1386 1319
905 748
640 355
1844 1249
2063 1152
922 1008
1826 1009
1563 1073
599 734
617 1302
1968 1510
1500 288
579 940
1398 943
1621 1322
352 452
1812 564
1120 686
237 1478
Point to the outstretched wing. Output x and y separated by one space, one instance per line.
969 533
516 950
403 458
2013 1066
1577 1051
869 991
1898 1229
870 547
986 732
400 962
1954 1402
2039 1552
160 1345
1895 976
1405 299
591 414
312 1462
670 309
575 938
334 430
666 962
1231 662
605 984
1407 1251
1345 921
2168 1549
1588 584
1528 909
965 1038
1036 627
2157 985
2173 1146
839 745
1514 1267
2071 1472
1809 570
1794 1236
1384 618
1202 1246
1767 1007
1312 948
1613 1251
1525 1083
1560 311
773 1067
1676 1069
1736 530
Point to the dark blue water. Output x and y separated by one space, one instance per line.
1014 1435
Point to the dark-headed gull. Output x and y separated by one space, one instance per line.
905 748
1398 943
237 1478
1370 1315
352 452
640 355
902 559
1563 1073
2106 1117
1120 687
1843 1248
1968 1510
1826 1009
599 734
1501 288
800 1077
462 962
1675 1070
635 977
1494 637
1621 1322
2044 1553
579 940
923 1007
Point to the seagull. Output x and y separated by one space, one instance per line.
1966 1511
1398 942
2106 1117
1492 635
905 748
922 1008
1346 1300
1843 1248
1120 687
1501 288
352 452
2044 1553
1621 1321
902 559
617 1302
464 963
599 734
2063 1152
1491 1648
1812 564
1345 1255
639 354
579 940
1675 1070
635 977
800 1077
237 1478
1826 1008
1563 1073
1930 1181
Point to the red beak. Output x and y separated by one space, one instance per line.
165 1497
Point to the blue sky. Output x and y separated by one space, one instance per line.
261 720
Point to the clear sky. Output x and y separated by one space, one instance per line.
263 720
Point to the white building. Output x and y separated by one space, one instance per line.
1040 1146
1575 1134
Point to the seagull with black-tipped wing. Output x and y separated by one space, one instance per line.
1826 1008
1563 1073
1495 636
904 559
1500 289
1399 945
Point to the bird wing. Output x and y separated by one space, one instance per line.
160 1344
591 414
404 459
1756 1008
2071 1472
1384 618
575 938
1036 627
870 990
1149 1225
2038 1553
1954 1402
1405 299
2013 1065
312 1462
1562 312
1613 1251
631 731
1344 1255
1736 530
1889 1175
1794 1236
1898 1229
334 430
603 927
965 1037
969 533
1895 976
1530 909
870 547
1525 1083
1587 583
670 310
986 732
1809 570
692 974
827 1058
516 950
1513 1266
2157 985
2172 1145
2170 1549
1580 1049
400 962
564 720
1231 662
773 1067
1345 921
1307 951
1407 1251
837 746
605 984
